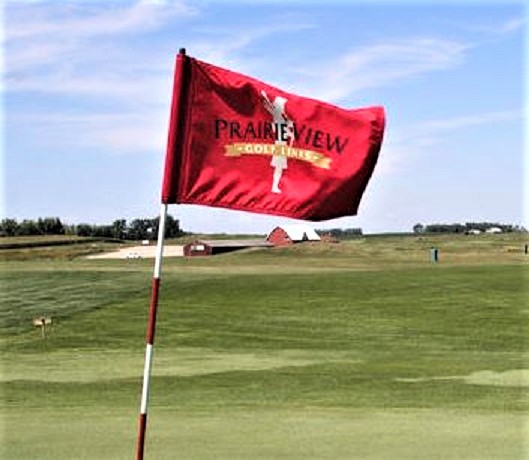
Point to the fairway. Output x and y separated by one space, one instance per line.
356 350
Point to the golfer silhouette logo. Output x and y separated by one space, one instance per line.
284 134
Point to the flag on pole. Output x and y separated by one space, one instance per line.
238 143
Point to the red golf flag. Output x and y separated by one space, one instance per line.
236 142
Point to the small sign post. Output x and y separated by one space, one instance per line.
42 322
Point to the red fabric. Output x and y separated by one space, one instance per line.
223 136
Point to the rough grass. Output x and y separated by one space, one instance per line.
41 239
358 350
77 248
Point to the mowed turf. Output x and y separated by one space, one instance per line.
354 350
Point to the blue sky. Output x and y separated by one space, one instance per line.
87 86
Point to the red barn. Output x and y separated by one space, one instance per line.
290 234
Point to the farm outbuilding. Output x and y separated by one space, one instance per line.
290 234
494 230
213 247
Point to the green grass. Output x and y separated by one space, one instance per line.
358 350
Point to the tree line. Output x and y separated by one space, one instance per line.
137 229
341 233
466 228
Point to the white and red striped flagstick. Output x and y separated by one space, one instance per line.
173 144
151 329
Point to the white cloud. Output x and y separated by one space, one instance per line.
220 46
53 46
405 144
389 63
71 21
115 133
64 63
513 25
497 30
470 120
380 65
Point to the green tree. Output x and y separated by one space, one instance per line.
50 226
8 227
119 229
84 230
418 228
172 227
27 227
142 229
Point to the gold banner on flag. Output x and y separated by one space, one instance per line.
241 148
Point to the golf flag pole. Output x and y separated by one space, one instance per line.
151 329
173 142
